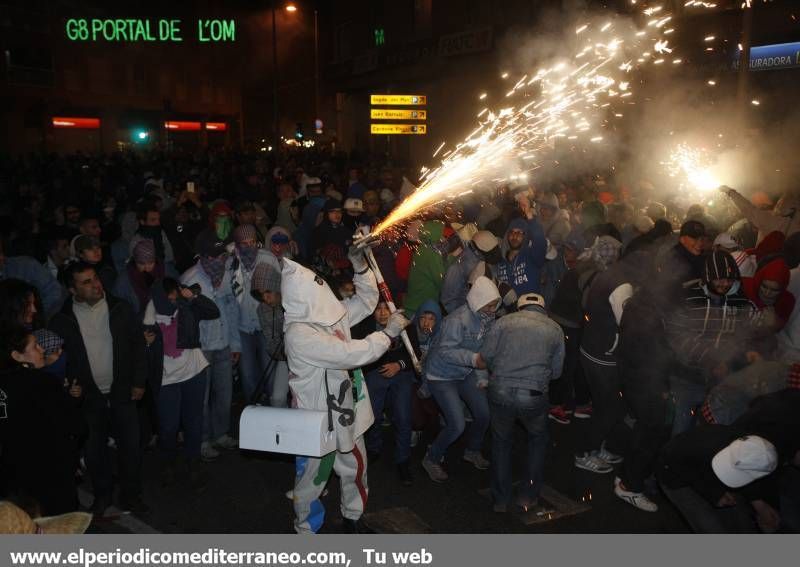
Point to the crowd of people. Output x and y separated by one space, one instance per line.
142 294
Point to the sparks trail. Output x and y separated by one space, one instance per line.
573 98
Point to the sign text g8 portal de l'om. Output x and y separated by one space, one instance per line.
137 29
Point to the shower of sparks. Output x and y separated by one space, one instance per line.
693 168
572 98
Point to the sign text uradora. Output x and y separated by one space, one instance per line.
142 30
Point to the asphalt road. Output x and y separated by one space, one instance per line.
246 494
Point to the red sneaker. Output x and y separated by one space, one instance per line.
559 415
583 412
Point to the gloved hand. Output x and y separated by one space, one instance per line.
397 322
357 259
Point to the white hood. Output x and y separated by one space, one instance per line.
482 293
307 298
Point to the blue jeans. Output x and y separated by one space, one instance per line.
688 395
218 394
507 405
448 394
253 361
179 405
399 388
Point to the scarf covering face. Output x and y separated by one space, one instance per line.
167 320
214 269
247 255
142 281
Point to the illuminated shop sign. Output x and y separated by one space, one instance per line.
776 56
75 122
149 30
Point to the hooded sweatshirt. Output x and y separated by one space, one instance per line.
558 227
319 348
774 270
454 352
427 267
425 340
523 273
709 328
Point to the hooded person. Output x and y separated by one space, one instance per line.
767 289
220 220
554 220
524 248
454 372
134 282
710 331
320 354
429 263
482 247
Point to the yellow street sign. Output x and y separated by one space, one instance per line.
412 100
398 114
398 128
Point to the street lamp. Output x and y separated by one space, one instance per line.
291 8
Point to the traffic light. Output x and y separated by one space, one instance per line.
140 135
298 131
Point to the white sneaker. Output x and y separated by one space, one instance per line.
593 464
207 452
637 499
226 442
608 456
477 460
415 437
434 470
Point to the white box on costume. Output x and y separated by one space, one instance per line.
286 430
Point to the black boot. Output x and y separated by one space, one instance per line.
404 472
356 527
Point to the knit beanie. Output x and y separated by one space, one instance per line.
265 278
244 232
144 252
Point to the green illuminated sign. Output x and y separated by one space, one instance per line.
380 37
135 30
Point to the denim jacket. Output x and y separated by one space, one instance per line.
524 350
452 355
454 286
216 334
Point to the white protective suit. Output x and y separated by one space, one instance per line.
318 344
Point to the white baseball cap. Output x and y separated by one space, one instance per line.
353 204
745 460
530 299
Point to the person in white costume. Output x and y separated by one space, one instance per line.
319 350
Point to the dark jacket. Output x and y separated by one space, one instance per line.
644 356
397 351
190 313
40 435
128 344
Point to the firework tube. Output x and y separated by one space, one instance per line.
364 238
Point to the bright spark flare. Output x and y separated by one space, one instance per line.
693 168
571 98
